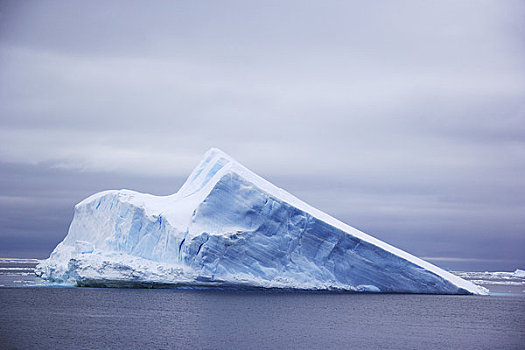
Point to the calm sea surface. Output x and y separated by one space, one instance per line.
87 318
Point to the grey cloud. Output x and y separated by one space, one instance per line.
404 119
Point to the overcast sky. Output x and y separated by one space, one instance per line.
405 119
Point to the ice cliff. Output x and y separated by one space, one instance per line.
227 226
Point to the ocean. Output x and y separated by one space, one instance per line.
38 316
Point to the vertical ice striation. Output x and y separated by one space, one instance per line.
227 226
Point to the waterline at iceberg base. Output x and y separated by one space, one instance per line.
228 227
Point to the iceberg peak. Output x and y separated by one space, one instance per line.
213 161
227 226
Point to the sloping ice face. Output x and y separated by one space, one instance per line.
227 226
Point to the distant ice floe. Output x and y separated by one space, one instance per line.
18 273
18 261
516 278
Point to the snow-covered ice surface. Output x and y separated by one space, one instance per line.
518 276
497 282
227 226
18 273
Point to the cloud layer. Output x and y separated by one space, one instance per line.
406 120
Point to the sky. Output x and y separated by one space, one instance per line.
403 119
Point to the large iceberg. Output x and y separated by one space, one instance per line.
229 227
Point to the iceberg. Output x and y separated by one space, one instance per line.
228 227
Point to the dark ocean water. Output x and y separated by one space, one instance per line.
36 317
86 318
